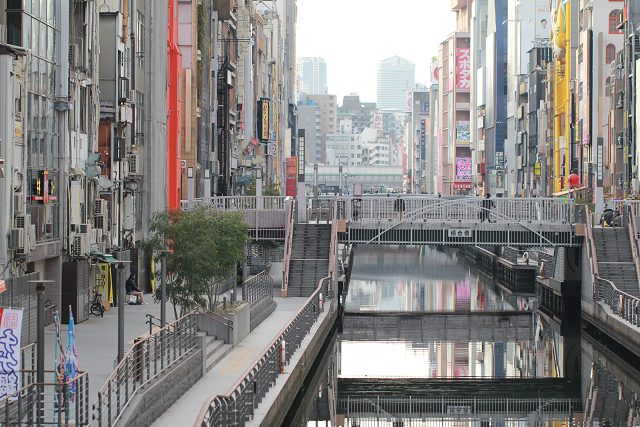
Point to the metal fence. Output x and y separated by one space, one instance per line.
498 210
48 404
144 361
443 411
257 288
290 222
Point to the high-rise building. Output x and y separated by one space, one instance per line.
313 75
396 75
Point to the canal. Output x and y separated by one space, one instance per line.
428 338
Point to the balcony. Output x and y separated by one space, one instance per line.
458 4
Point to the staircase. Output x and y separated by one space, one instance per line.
215 351
309 261
615 258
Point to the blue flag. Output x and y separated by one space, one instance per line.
71 363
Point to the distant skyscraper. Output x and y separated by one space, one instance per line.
396 75
313 75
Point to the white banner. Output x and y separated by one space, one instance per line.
10 331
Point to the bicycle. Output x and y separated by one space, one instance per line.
97 308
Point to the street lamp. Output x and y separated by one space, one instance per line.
40 287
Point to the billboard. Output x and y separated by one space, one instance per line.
463 167
263 124
377 121
463 132
409 103
463 70
10 333
423 135
434 73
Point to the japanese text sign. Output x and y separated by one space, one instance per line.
464 68
10 331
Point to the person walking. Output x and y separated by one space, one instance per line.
132 289
398 206
487 205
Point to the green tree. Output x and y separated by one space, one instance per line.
267 190
204 247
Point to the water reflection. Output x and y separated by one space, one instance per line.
404 359
422 278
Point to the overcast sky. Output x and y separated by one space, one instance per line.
354 35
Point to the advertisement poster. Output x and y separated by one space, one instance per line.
463 168
291 186
409 103
463 132
423 135
292 166
10 332
105 285
464 68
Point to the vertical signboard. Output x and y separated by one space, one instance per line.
409 104
292 171
10 332
463 132
377 121
423 136
463 68
463 168
263 130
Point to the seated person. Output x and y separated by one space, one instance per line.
608 217
617 219
131 288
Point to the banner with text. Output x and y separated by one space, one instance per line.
463 167
10 332
464 68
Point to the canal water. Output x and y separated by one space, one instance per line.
428 339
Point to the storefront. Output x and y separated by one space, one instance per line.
462 188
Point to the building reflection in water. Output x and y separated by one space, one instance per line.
432 342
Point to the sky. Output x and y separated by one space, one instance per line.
354 35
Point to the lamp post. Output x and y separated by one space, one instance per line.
163 288
121 297
40 287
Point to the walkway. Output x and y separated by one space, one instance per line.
218 381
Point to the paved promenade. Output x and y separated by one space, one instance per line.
218 381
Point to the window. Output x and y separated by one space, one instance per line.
607 86
140 40
611 53
613 22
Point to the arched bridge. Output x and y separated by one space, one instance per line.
415 219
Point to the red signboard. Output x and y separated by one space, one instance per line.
45 185
291 186
464 68
461 185
292 166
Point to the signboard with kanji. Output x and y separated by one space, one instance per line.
464 69
463 167
10 332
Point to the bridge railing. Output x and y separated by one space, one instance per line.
622 304
289 224
463 209
233 203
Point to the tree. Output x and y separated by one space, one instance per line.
204 246
267 190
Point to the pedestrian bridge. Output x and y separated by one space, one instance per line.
414 219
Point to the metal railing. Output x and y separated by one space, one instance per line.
48 404
238 405
266 255
446 410
144 361
257 287
288 244
622 304
235 203
498 210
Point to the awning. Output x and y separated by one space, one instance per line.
103 257
565 192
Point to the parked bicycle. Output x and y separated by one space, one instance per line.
97 308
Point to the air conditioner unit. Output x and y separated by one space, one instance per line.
18 202
80 246
84 228
100 223
75 56
22 221
100 207
134 164
16 238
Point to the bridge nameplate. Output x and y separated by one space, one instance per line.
460 232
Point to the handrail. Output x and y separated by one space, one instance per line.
287 247
633 239
622 304
228 325
145 360
257 287
213 313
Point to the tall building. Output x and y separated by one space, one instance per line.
312 72
396 76
328 108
